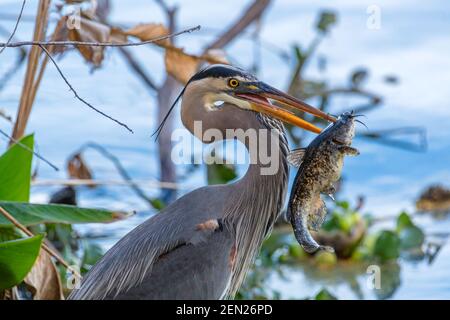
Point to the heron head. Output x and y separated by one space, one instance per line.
225 88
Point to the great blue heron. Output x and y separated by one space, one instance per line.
201 245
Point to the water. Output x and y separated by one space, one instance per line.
413 43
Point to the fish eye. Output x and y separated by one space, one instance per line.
233 82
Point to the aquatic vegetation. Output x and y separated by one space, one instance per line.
25 264
351 259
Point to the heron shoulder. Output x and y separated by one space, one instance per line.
189 220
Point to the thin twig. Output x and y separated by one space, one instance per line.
13 68
253 12
164 5
15 27
50 251
135 65
42 45
25 17
30 84
119 168
96 44
5 116
76 94
28 149
94 182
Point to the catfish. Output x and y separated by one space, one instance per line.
320 166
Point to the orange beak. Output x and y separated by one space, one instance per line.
259 93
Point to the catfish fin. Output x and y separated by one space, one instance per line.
295 157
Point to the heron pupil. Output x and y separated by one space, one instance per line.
233 83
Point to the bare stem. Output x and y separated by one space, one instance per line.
119 168
92 182
96 44
15 28
28 149
76 94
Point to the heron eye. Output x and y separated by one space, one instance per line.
233 83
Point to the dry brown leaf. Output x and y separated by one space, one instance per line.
94 31
61 33
43 280
118 36
91 31
77 168
149 31
180 65
9 294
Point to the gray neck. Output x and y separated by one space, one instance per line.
258 199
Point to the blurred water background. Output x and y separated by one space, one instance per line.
413 43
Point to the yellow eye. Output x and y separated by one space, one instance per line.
233 83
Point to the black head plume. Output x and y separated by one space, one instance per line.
161 125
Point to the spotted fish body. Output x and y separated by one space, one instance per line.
320 166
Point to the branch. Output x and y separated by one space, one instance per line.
76 94
5 116
135 65
252 13
50 251
30 83
15 67
96 44
28 149
15 28
96 182
164 6
355 90
121 170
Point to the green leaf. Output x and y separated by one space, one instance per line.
387 246
92 253
325 259
15 171
299 53
404 221
343 204
332 223
326 20
324 294
9 233
296 251
17 257
220 173
157 203
31 214
411 237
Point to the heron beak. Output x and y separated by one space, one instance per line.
259 93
